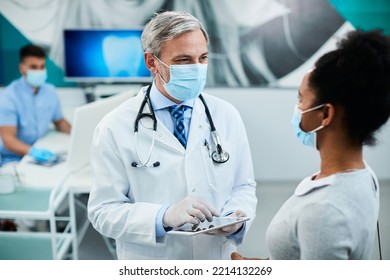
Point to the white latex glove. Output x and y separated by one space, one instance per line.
228 230
188 210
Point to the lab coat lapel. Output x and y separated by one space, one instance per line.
199 127
165 137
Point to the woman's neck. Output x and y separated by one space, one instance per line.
340 158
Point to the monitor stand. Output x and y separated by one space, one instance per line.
107 90
96 91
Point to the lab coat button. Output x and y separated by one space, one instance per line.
160 135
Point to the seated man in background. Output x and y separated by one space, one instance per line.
27 107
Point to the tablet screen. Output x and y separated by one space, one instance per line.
206 226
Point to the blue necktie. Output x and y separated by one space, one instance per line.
177 112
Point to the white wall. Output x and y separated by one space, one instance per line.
277 154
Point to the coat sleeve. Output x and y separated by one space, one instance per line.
111 207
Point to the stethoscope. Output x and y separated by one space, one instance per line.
218 156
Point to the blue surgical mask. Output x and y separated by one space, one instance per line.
186 80
36 78
307 138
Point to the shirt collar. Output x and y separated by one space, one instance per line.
307 184
26 87
160 101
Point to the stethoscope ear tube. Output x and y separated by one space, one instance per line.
206 108
145 163
151 114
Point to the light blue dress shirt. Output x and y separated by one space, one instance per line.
30 112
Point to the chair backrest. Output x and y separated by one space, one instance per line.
85 120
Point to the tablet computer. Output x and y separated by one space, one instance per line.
206 226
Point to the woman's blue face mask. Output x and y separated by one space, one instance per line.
186 81
307 138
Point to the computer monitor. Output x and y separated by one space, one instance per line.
104 56
85 120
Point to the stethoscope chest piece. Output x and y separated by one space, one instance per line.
221 157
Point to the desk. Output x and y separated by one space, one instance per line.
38 176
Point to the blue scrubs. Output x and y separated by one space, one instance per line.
30 113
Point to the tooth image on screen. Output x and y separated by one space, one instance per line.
118 64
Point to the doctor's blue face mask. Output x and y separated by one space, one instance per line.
307 138
186 80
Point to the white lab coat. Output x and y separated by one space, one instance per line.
124 200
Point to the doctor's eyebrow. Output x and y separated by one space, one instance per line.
182 57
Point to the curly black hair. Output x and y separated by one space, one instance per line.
356 76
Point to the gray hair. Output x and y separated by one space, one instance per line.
167 26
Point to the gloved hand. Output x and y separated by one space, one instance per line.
228 230
42 155
188 210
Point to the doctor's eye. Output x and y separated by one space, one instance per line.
204 59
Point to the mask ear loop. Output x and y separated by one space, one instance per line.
161 61
162 79
315 130
159 72
312 109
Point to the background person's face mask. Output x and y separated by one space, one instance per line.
307 138
36 78
186 81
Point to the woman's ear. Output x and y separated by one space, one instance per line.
328 114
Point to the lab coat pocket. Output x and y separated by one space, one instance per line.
227 249
134 251
219 175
